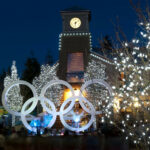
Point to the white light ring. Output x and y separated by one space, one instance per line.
98 81
78 129
91 105
53 112
34 100
98 112
6 90
72 99
43 99
23 113
92 111
72 128
53 82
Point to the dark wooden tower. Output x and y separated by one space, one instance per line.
74 44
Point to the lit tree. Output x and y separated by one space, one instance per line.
95 93
48 73
14 98
133 62
95 70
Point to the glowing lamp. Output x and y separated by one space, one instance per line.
76 92
76 118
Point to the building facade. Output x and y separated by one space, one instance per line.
75 47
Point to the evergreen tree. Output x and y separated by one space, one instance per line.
14 98
32 70
48 73
96 93
49 58
2 76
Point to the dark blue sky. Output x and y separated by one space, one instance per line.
27 25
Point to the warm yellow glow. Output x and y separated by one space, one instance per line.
116 104
75 22
68 94
136 102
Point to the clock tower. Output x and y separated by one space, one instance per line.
75 20
74 44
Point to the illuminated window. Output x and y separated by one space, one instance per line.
75 62
75 67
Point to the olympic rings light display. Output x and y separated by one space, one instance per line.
31 103
6 90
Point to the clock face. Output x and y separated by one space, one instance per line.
75 23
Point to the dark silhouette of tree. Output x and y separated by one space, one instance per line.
106 47
8 71
106 43
49 58
2 76
32 69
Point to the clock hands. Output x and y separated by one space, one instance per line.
75 22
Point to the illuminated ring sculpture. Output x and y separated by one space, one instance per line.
34 100
6 90
42 99
101 82
53 82
63 112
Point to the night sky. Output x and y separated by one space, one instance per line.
35 25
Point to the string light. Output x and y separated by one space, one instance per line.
134 62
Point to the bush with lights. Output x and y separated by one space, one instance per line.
133 63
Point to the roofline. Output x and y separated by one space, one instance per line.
104 59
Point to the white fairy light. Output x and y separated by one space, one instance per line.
47 74
14 98
134 89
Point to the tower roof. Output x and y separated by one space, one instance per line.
75 9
